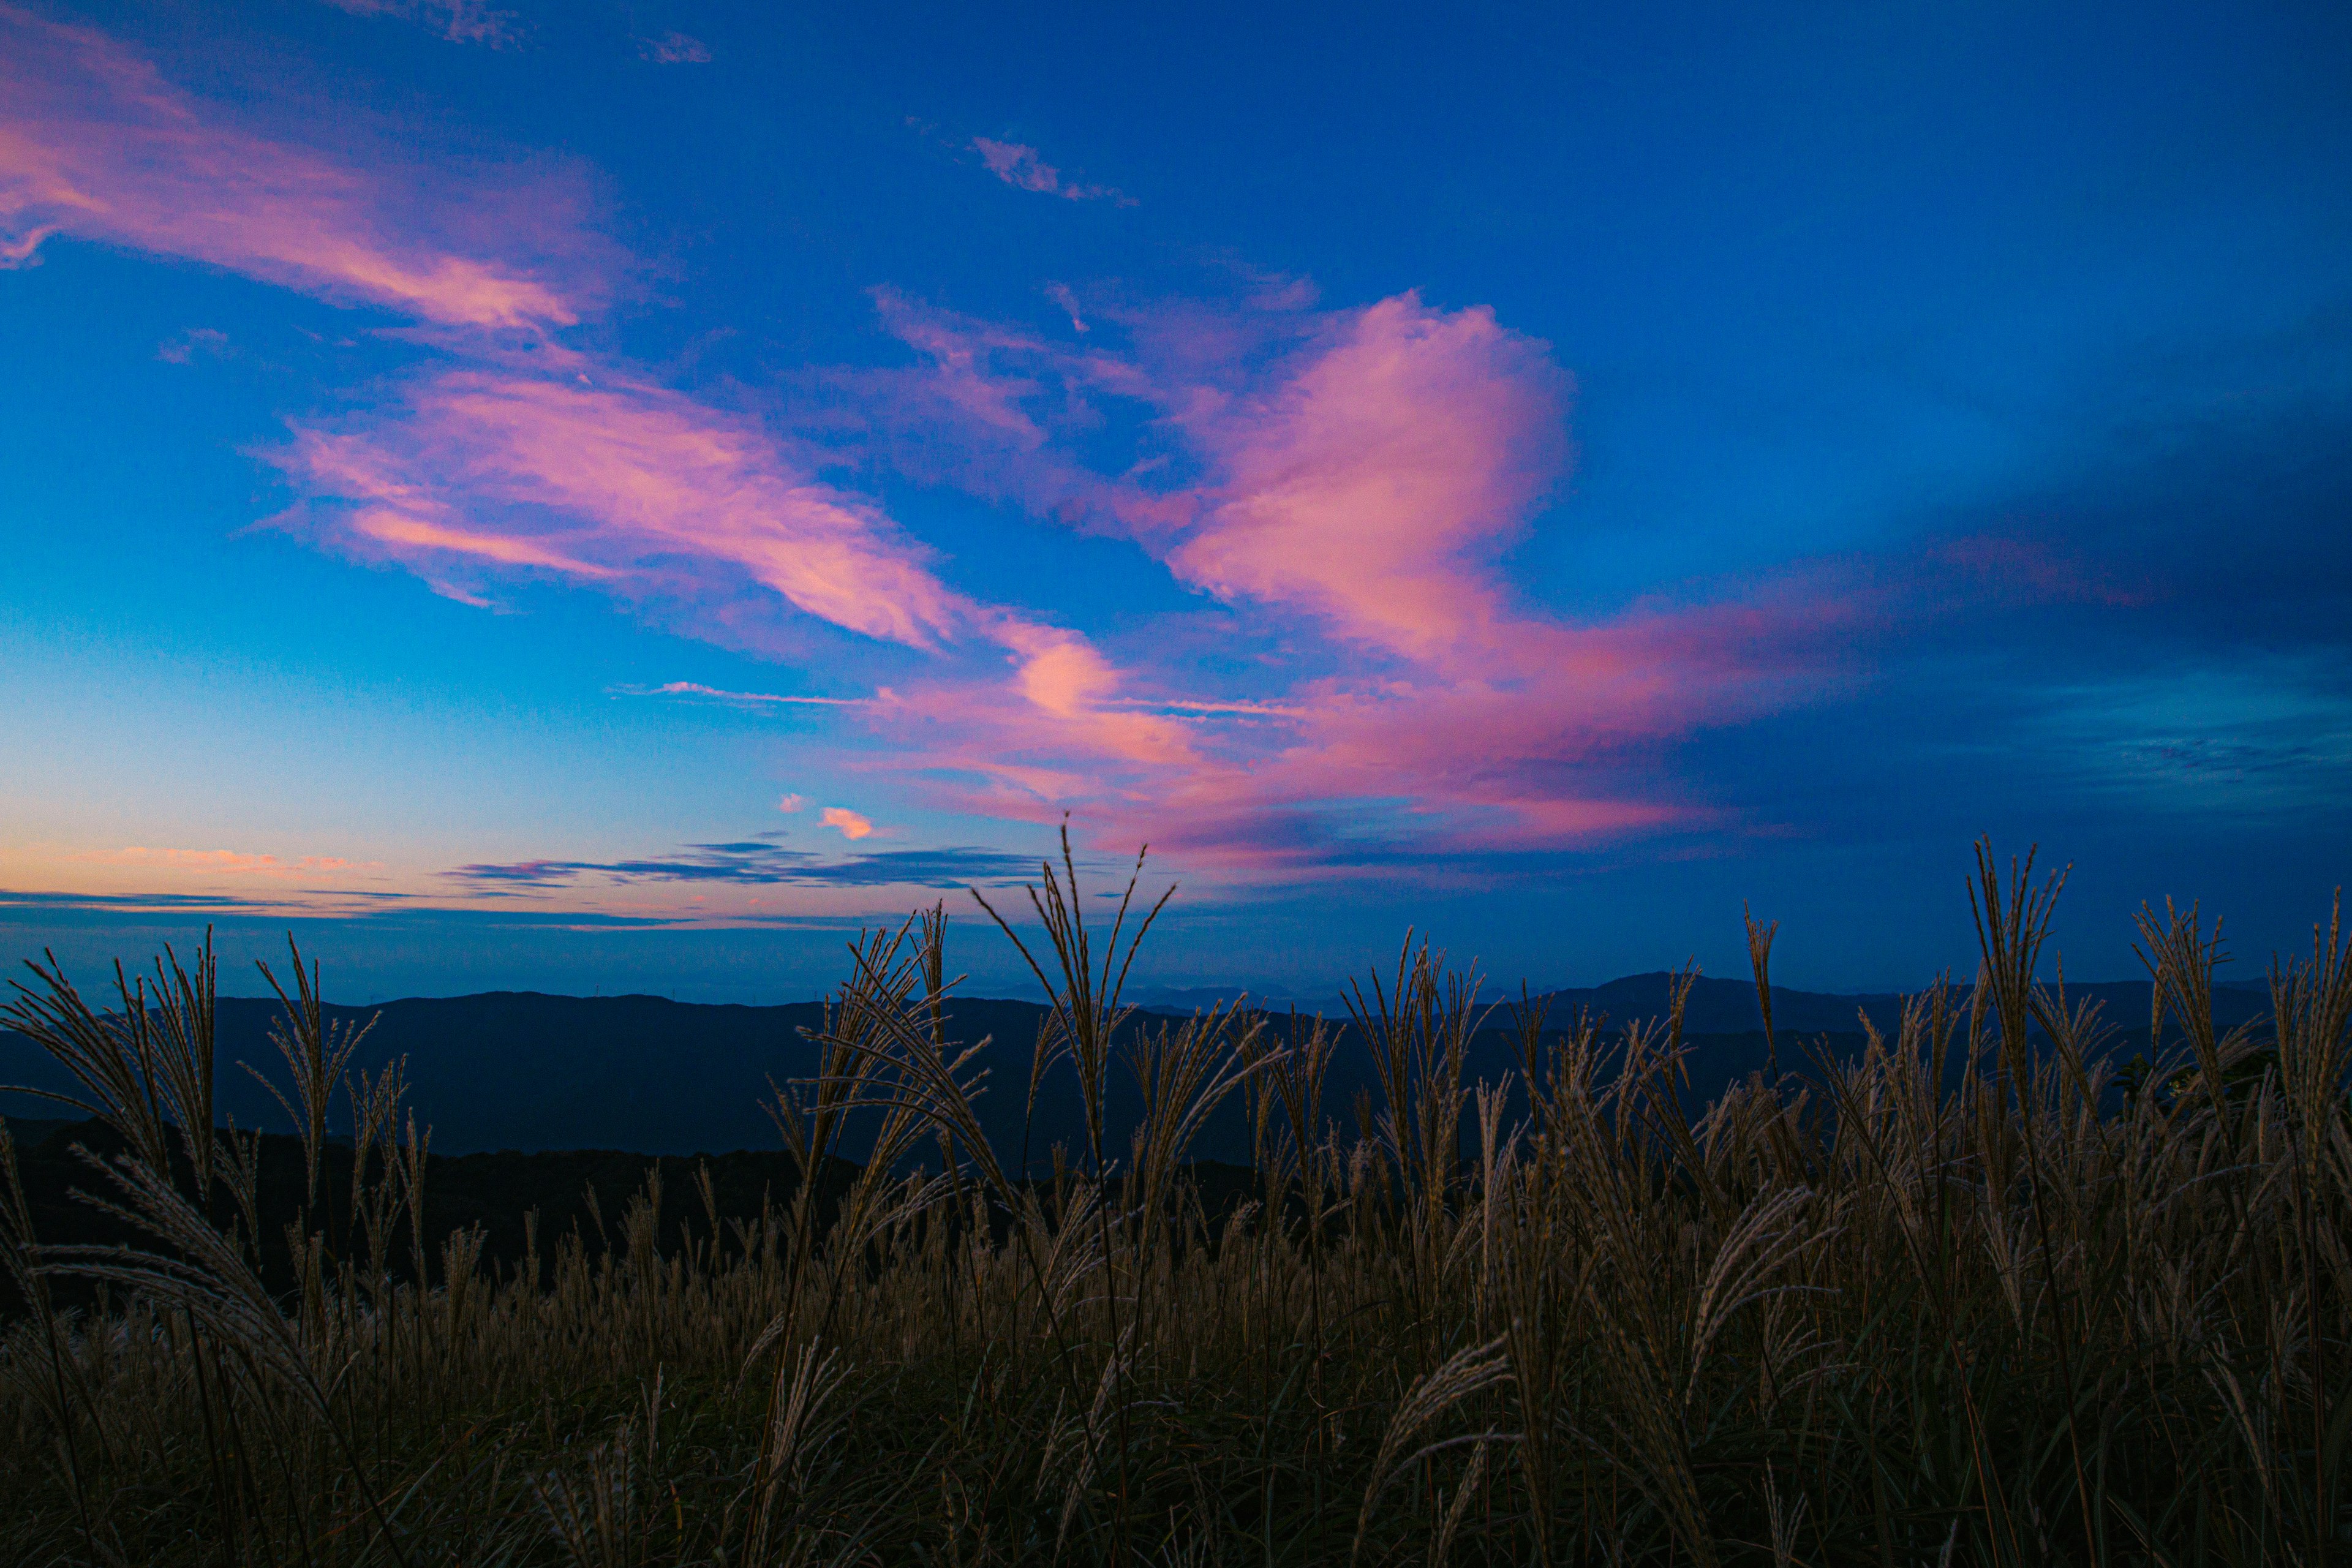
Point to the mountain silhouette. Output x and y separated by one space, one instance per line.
1729 1006
524 1070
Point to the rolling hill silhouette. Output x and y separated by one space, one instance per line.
524 1070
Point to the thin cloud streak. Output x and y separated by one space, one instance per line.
739 698
231 862
43 901
756 864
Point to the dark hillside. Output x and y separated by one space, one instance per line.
522 1070
587 1191
584 1192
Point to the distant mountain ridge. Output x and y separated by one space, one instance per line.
1729 1006
526 1070
1721 1006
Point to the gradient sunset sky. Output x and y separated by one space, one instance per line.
612 494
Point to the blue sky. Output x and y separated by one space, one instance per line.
616 495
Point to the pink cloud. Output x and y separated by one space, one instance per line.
646 494
971 375
1370 485
792 803
404 534
93 144
1366 467
488 470
1065 714
1018 165
621 483
850 824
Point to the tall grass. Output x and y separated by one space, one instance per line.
1967 1297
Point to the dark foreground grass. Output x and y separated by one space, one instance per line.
1972 1298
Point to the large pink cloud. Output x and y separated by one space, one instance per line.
1349 483
1372 485
95 144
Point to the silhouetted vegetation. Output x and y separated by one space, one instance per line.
1968 1292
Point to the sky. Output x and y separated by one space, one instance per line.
619 495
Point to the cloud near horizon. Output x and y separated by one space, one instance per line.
757 864
234 863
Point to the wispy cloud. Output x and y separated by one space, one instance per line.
1062 295
661 500
1365 466
459 21
1019 165
674 49
93 144
621 483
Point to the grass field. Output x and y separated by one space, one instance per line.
1982 1295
